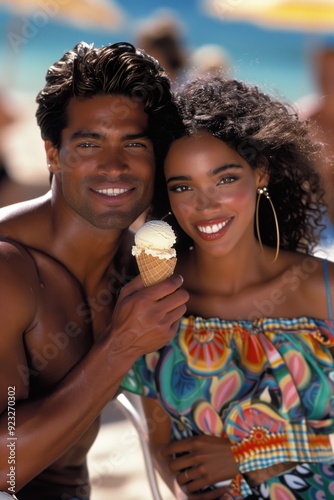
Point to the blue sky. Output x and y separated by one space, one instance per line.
277 60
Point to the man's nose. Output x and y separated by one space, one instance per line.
114 160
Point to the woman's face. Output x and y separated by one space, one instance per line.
212 192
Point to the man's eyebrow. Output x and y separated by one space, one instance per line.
140 135
85 134
211 173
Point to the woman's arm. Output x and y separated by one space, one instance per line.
202 460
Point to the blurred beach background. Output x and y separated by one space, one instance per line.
35 33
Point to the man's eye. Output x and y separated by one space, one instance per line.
136 145
87 145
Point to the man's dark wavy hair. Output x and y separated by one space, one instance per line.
262 130
120 69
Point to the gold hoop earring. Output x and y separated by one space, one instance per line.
166 215
265 192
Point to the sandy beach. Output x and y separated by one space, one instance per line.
116 462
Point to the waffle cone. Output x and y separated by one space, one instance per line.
153 270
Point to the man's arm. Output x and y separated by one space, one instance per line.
143 320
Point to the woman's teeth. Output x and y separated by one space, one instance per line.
212 229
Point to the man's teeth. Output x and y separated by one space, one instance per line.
212 229
112 191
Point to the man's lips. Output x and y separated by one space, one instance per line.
112 191
113 195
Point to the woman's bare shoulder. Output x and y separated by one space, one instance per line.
311 282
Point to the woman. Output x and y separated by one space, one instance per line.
248 381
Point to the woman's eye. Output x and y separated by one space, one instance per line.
179 189
228 179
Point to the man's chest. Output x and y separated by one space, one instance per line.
67 322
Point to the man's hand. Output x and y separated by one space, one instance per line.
205 460
145 319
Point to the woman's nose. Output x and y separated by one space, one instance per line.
206 199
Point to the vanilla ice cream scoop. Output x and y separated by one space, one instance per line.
153 250
155 238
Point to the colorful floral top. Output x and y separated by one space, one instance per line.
267 385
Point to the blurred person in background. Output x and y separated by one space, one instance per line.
11 190
163 37
209 59
319 111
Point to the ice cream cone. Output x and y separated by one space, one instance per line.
153 270
153 250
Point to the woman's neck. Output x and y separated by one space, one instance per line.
228 274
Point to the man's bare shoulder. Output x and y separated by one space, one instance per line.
18 307
23 208
19 276
18 225
24 218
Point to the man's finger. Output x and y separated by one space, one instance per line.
157 291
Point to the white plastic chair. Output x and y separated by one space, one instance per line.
131 412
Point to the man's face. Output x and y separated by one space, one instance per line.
105 163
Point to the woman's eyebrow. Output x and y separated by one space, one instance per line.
222 168
211 173
179 178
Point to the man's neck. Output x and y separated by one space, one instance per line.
86 251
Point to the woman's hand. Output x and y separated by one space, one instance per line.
199 462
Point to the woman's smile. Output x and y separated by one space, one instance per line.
213 229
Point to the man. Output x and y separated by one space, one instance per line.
66 343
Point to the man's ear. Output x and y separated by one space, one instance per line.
262 167
52 157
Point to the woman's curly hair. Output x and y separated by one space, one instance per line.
263 131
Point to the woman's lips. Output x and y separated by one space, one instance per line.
213 229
